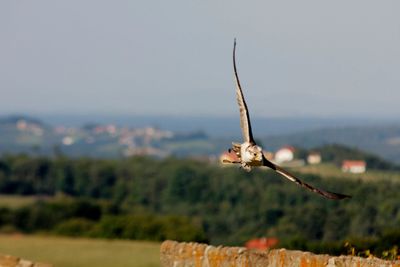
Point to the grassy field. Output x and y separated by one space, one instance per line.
330 170
79 252
13 201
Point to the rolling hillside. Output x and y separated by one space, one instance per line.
380 140
112 140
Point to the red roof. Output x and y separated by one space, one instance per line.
353 163
261 243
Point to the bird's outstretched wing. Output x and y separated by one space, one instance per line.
244 113
293 178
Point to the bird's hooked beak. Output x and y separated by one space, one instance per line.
256 152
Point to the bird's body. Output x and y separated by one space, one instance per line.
251 155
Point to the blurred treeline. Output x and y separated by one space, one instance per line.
182 199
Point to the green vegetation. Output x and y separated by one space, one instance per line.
79 252
88 218
330 170
143 198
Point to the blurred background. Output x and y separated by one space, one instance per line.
114 117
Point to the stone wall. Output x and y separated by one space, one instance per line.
11 261
174 254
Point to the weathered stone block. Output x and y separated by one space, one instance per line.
24 263
8 261
174 254
11 261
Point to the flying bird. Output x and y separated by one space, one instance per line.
249 154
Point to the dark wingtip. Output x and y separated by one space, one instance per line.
345 196
337 196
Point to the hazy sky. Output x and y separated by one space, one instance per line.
308 58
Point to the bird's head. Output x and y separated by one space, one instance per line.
255 152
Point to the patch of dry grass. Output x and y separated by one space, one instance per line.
80 252
14 201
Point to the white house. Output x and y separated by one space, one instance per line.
314 158
354 166
284 154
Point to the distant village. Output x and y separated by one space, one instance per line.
137 141
147 141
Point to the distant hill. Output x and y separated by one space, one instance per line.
216 126
24 134
188 136
338 153
13 119
383 140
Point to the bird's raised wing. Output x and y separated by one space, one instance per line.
293 178
244 113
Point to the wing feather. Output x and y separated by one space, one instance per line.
293 178
244 113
